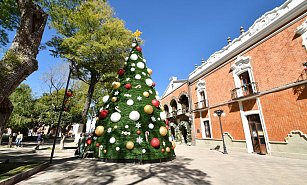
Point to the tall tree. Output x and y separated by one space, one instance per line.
92 39
20 59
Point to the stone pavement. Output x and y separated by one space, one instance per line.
193 165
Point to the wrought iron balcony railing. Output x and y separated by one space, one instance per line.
201 104
244 90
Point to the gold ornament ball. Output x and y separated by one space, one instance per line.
173 144
129 145
99 130
163 131
149 71
167 149
146 94
116 85
114 99
148 109
104 151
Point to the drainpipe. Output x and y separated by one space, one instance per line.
191 117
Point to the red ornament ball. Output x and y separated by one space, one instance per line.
153 84
97 144
138 132
155 143
120 72
155 103
162 150
128 86
88 141
103 114
138 48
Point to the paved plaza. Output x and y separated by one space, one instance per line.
193 165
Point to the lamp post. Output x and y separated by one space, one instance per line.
220 113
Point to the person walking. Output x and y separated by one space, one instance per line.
19 139
39 140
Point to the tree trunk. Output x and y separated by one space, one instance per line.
89 97
6 108
20 60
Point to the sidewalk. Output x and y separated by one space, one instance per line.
193 165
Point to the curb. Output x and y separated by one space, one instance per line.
24 175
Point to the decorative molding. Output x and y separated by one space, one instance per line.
241 63
300 133
263 25
201 86
302 31
183 93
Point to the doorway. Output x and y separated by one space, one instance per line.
207 129
257 134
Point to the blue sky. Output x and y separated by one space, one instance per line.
177 33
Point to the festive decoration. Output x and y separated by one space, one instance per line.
97 144
148 82
155 143
167 149
99 130
153 84
146 94
163 131
139 140
151 126
162 150
113 99
166 121
120 72
155 103
129 145
149 71
88 141
112 140
148 109
138 132
115 117
134 57
103 114
134 115
116 85
146 136
138 48
128 86
130 102
137 76
140 65
105 151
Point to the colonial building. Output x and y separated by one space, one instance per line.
259 81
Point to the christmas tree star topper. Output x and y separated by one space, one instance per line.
137 33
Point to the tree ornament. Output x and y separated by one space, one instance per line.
148 109
167 149
151 126
134 115
113 99
133 44
105 98
138 48
120 72
162 116
138 132
143 151
162 150
166 121
132 69
134 57
99 130
139 98
129 145
140 65
153 84
117 148
146 136
137 76
139 140
155 143
97 144
146 94
103 114
155 103
128 86
148 82
105 151
116 85
163 131
149 71
112 140
88 141
130 102
115 117
126 58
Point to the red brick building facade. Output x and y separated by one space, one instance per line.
259 80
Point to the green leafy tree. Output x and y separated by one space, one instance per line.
92 39
132 127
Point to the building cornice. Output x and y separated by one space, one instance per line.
262 27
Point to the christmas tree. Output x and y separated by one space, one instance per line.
132 124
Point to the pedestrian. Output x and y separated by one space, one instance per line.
10 140
39 140
19 139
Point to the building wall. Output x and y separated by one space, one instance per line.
176 93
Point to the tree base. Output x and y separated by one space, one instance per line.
137 160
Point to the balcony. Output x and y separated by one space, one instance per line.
244 90
201 104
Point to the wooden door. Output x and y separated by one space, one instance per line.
257 134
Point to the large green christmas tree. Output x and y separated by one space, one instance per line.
131 126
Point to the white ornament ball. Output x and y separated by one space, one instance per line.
133 44
134 115
144 60
126 126
144 151
112 140
132 64
151 126
162 116
134 57
138 77
115 117
130 102
132 69
140 65
105 98
126 58
117 148
148 82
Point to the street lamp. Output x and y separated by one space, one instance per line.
220 113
